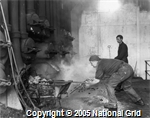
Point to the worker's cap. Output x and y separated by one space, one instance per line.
94 58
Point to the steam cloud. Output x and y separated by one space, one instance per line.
79 70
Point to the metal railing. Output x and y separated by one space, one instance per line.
147 72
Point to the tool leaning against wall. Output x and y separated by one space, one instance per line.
16 76
109 47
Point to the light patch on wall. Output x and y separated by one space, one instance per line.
108 5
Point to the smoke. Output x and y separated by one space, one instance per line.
79 70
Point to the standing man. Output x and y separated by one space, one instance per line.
122 50
122 55
113 72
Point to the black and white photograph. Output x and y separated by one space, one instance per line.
74 58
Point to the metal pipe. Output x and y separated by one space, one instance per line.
55 13
48 10
24 34
58 15
55 20
15 32
61 9
42 9
51 13
63 15
66 18
30 6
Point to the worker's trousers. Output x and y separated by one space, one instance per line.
124 75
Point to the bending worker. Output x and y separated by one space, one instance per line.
116 71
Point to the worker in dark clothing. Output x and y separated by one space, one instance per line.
122 55
122 50
112 72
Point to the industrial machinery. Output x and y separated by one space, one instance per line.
36 91
42 91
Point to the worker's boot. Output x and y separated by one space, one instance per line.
111 106
140 102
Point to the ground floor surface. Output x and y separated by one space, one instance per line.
94 98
